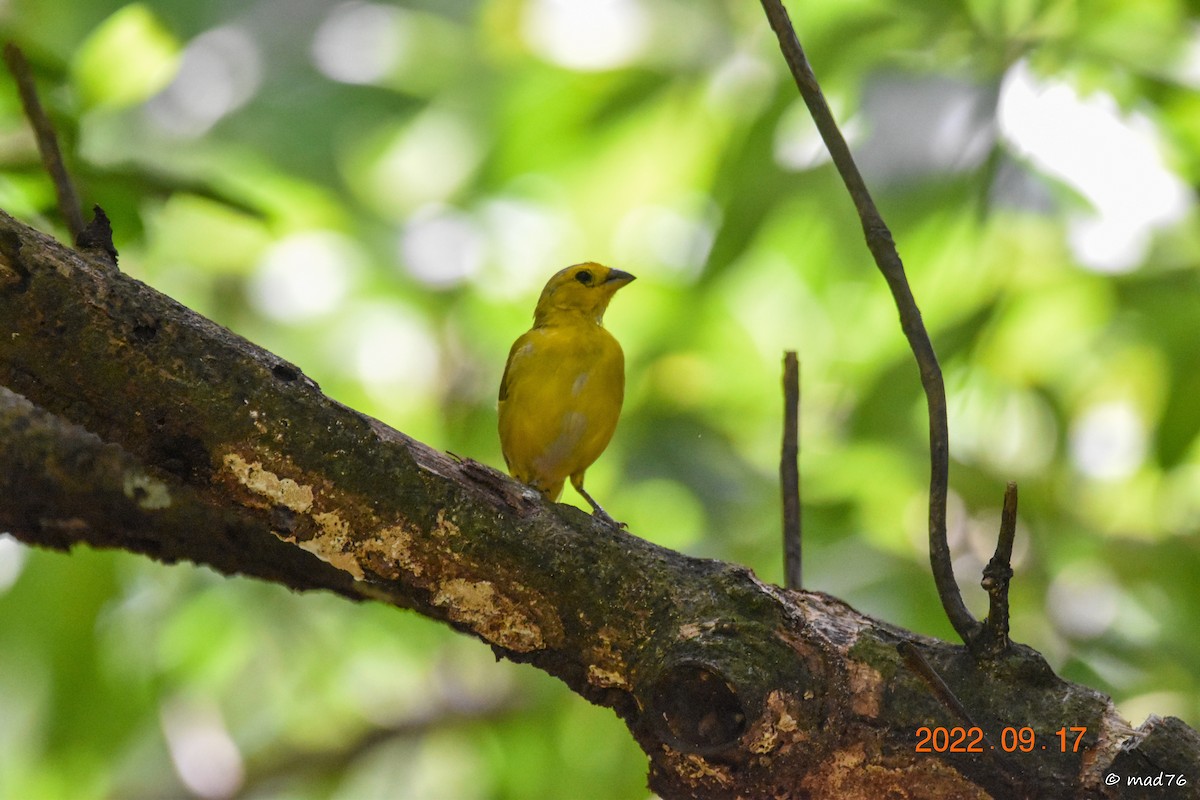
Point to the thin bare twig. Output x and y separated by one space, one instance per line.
883 249
917 662
789 472
993 640
47 140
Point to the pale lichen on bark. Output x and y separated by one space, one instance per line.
149 494
265 483
494 616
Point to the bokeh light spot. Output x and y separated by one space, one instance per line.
305 276
1113 159
220 72
1108 441
1083 600
12 561
205 756
359 42
591 35
441 246
394 355
426 161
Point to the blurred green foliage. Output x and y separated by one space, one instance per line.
377 192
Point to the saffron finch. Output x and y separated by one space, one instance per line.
563 385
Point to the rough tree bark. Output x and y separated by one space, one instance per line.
129 421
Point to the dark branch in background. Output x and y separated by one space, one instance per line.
47 140
883 249
295 767
789 473
993 640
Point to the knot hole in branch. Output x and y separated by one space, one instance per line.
285 372
695 709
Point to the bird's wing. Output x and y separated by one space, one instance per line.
520 348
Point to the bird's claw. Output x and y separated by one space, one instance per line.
602 515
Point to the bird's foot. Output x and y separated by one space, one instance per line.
602 515
597 511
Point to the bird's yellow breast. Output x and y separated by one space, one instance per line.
560 399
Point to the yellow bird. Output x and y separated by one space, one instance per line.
563 385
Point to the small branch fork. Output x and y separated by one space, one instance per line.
95 237
883 250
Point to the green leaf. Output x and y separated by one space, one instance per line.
130 57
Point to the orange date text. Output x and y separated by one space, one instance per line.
1018 740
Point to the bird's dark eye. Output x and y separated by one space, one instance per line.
584 277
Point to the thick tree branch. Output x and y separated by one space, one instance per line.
148 427
883 249
64 486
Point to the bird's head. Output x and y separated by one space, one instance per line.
580 289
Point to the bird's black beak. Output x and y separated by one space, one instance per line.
619 275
